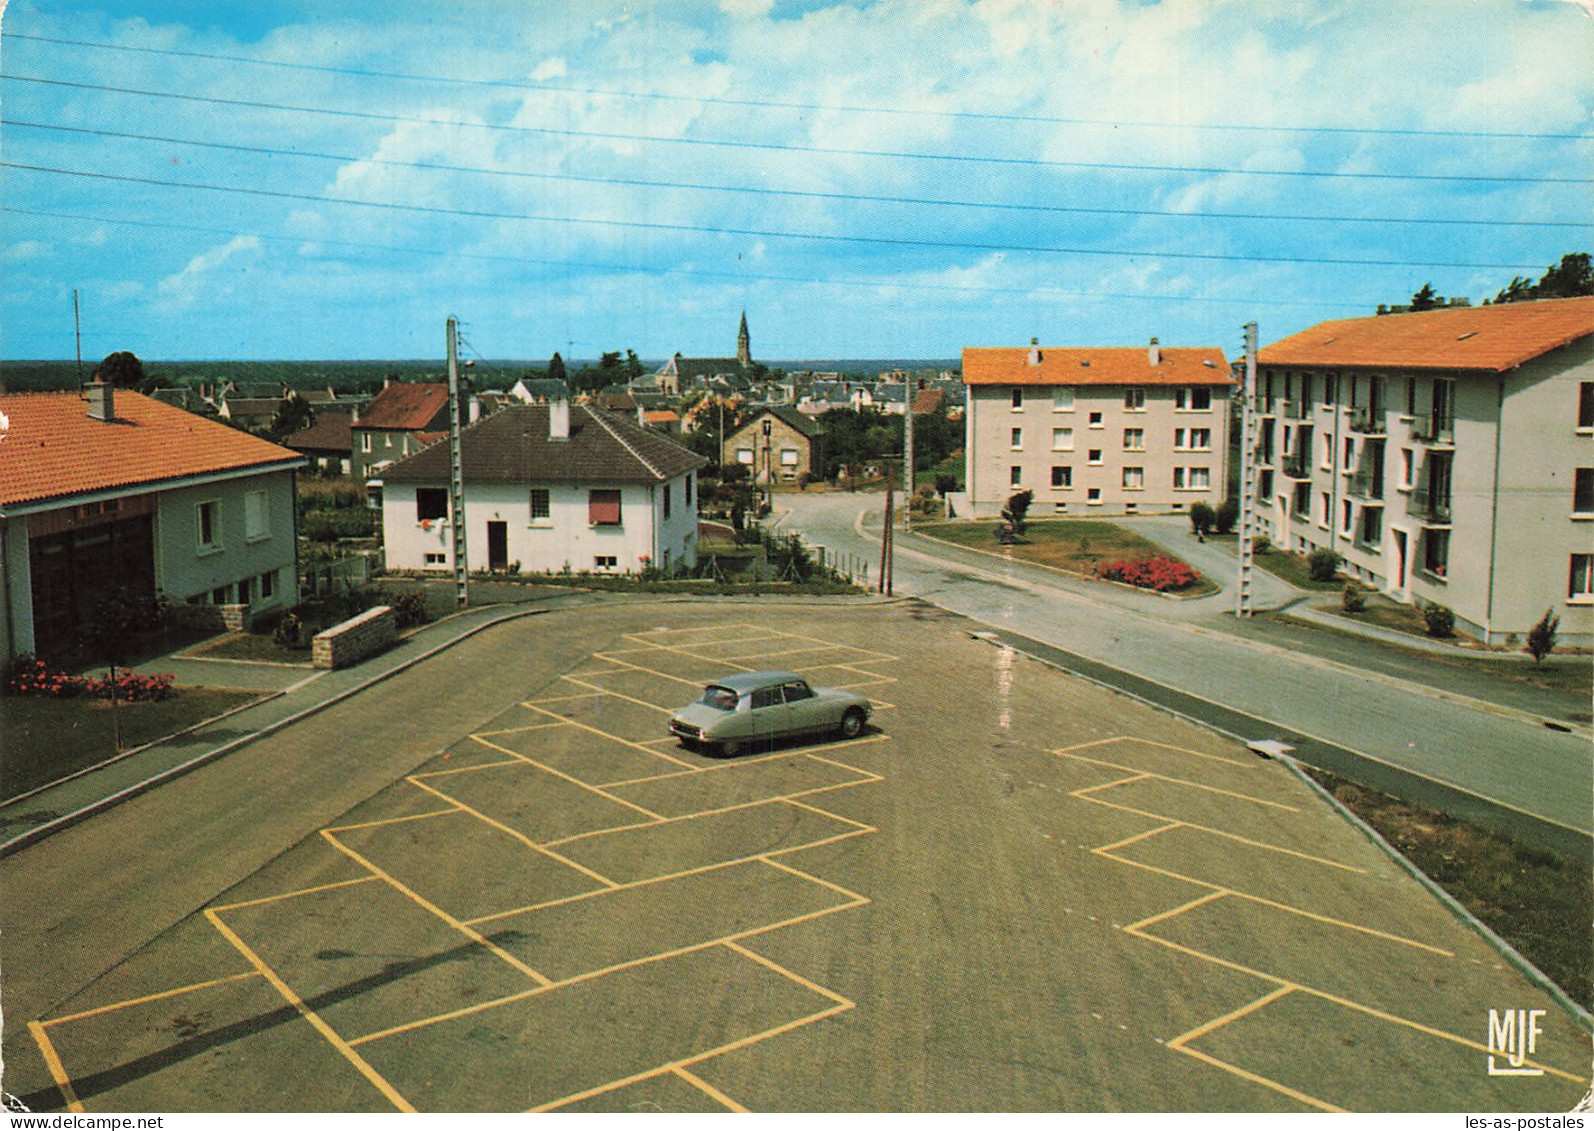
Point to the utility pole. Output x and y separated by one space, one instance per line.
456 472
887 539
907 457
77 333
1247 473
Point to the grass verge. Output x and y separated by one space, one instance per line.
47 739
1075 545
1534 900
1293 568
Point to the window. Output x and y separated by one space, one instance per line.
1134 439
1345 517
1018 398
1134 479
1580 580
257 516
744 455
687 490
1407 469
1330 388
1325 509
667 494
208 521
1181 439
1095 420
365 442
268 585
603 507
431 504
1018 438
1411 396
1062 476
1200 478
1196 398
1134 400
1264 484
1015 475
1178 479
765 697
605 561
1201 439
796 691
1062 439
243 591
1372 525
541 511
1094 455
437 561
1436 552
1585 404
788 457
1583 491
1328 452
1063 398
1093 495
1349 463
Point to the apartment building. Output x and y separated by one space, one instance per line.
1447 456
1113 430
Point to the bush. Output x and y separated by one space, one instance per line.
29 675
1541 639
1201 518
1227 514
1157 572
1354 599
289 632
1441 620
1261 544
1323 564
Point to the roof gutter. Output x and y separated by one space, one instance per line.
149 486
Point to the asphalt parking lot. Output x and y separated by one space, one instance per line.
1016 891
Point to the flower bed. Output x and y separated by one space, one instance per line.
32 676
1156 571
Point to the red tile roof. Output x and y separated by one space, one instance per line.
1487 338
54 448
1114 365
402 406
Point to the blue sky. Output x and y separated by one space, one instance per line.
316 179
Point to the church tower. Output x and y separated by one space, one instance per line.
744 344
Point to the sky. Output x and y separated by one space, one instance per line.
329 179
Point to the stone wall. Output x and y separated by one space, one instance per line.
352 641
216 618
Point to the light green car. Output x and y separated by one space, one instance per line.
751 708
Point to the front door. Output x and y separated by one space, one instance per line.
498 545
1397 571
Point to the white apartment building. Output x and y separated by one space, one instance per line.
1097 431
1447 456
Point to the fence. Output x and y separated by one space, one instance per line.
329 579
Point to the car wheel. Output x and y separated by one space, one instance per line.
730 747
852 723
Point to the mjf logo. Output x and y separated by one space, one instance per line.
1514 1034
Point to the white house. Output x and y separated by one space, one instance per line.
114 492
547 487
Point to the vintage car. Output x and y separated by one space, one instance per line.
751 708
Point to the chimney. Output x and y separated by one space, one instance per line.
558 419
1034 351
641 417
102 401
475 413
1154 353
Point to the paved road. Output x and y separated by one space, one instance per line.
1509 760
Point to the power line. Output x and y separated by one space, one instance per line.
779 147
766 191
704 229
807 107
739 276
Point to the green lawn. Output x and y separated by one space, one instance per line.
47 739
1387 614
1293 569
1073 544
1537 902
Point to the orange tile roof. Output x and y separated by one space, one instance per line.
1488 338
54 448
405 405
1114 365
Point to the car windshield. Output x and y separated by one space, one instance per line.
720 698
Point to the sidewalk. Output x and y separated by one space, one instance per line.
291 693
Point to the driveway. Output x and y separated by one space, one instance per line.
499 886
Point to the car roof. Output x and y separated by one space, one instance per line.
749 681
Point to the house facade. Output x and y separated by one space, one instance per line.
400 420
121 492
784 452
1097 431
1447 456
548 487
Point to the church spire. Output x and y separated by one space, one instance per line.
744 344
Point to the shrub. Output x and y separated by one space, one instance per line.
1157 572
130 686
29 675
1201 518
289 632
1323 564
1441 620
1261 544
1017 509
1354 599
409 608
1227 514
1541 638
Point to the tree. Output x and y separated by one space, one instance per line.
1572 277
556 367
1541 638
633 365
1425 299
293 415
1017 509
1201 518
122 369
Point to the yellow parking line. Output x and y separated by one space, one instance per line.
296 894
1135 928
806 983
1229 836
518 730
1218 1022
1081 792
610 737
469 769
662 675
1185 781
743 762
1154 742
709 1090
130 1002
1160 829
520 836
601 791
420 901
391 821
617 695
310 1015
563 698
57 1070
768 858
1311 1101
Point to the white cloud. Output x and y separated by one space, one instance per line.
191 283
747 9
554 68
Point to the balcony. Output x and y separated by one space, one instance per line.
1264 405
1433 509
1297 410
1367 487
1367 419
1434 429
1296 467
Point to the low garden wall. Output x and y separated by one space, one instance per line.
352 641
217 618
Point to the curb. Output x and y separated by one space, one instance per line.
1219 591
